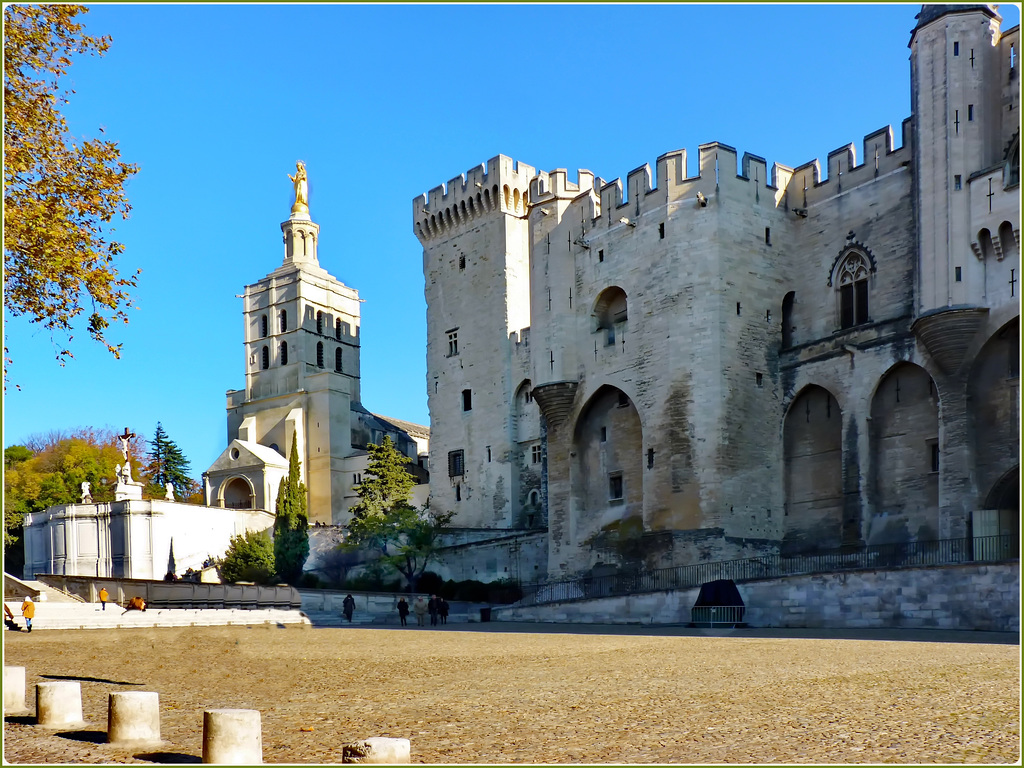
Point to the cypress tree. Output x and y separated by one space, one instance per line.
291 541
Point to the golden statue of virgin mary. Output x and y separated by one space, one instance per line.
301 188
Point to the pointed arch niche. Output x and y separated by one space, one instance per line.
994 392
812 439
905 458
606 471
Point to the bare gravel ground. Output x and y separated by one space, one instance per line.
499 697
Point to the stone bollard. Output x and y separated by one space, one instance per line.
232 736
59 704
376 749
14 690
133 717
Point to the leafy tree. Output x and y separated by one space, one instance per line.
167 464
250 557
383 519
58 194
291 540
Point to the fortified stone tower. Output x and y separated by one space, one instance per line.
475 241
965 93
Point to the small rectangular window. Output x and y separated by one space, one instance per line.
467 400
661 230
759 378
535 454
956 49
970 113
959 275
615 486
456 463
737 308
956 121
488 454
957 184
650 458
600 254
462 262
767 235
458 492
934 449
453 343
604 434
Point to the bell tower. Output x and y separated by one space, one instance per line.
301 338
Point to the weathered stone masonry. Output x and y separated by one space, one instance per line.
746 361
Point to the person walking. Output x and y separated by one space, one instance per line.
28 610
104 595
403 610
420 609
348 606
432 608
443 610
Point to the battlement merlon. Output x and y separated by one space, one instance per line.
555 185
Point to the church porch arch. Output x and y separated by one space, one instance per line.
237 493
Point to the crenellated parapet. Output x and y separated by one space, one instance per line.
722 174
501 185
879 157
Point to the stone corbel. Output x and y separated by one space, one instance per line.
977 251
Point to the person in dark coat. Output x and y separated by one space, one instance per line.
443 610
348 606
403 610
432 609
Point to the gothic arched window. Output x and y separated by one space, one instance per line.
320 323
265 358
319 354
284 320
263 326
337 360
337 329
284 353
852 285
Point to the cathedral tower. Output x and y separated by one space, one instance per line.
301 379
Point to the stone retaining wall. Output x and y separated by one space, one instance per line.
969 597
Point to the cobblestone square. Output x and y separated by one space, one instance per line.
492 696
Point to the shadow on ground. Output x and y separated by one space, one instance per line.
92 737
168 757
88 679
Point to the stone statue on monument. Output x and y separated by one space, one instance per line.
86 492
169 491
301 188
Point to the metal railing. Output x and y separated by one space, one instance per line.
979 549
717 615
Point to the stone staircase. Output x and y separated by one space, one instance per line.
74 614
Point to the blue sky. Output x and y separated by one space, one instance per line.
383 102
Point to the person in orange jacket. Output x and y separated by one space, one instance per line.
28 610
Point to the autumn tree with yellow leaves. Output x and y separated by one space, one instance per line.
58 193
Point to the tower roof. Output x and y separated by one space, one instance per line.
931 12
